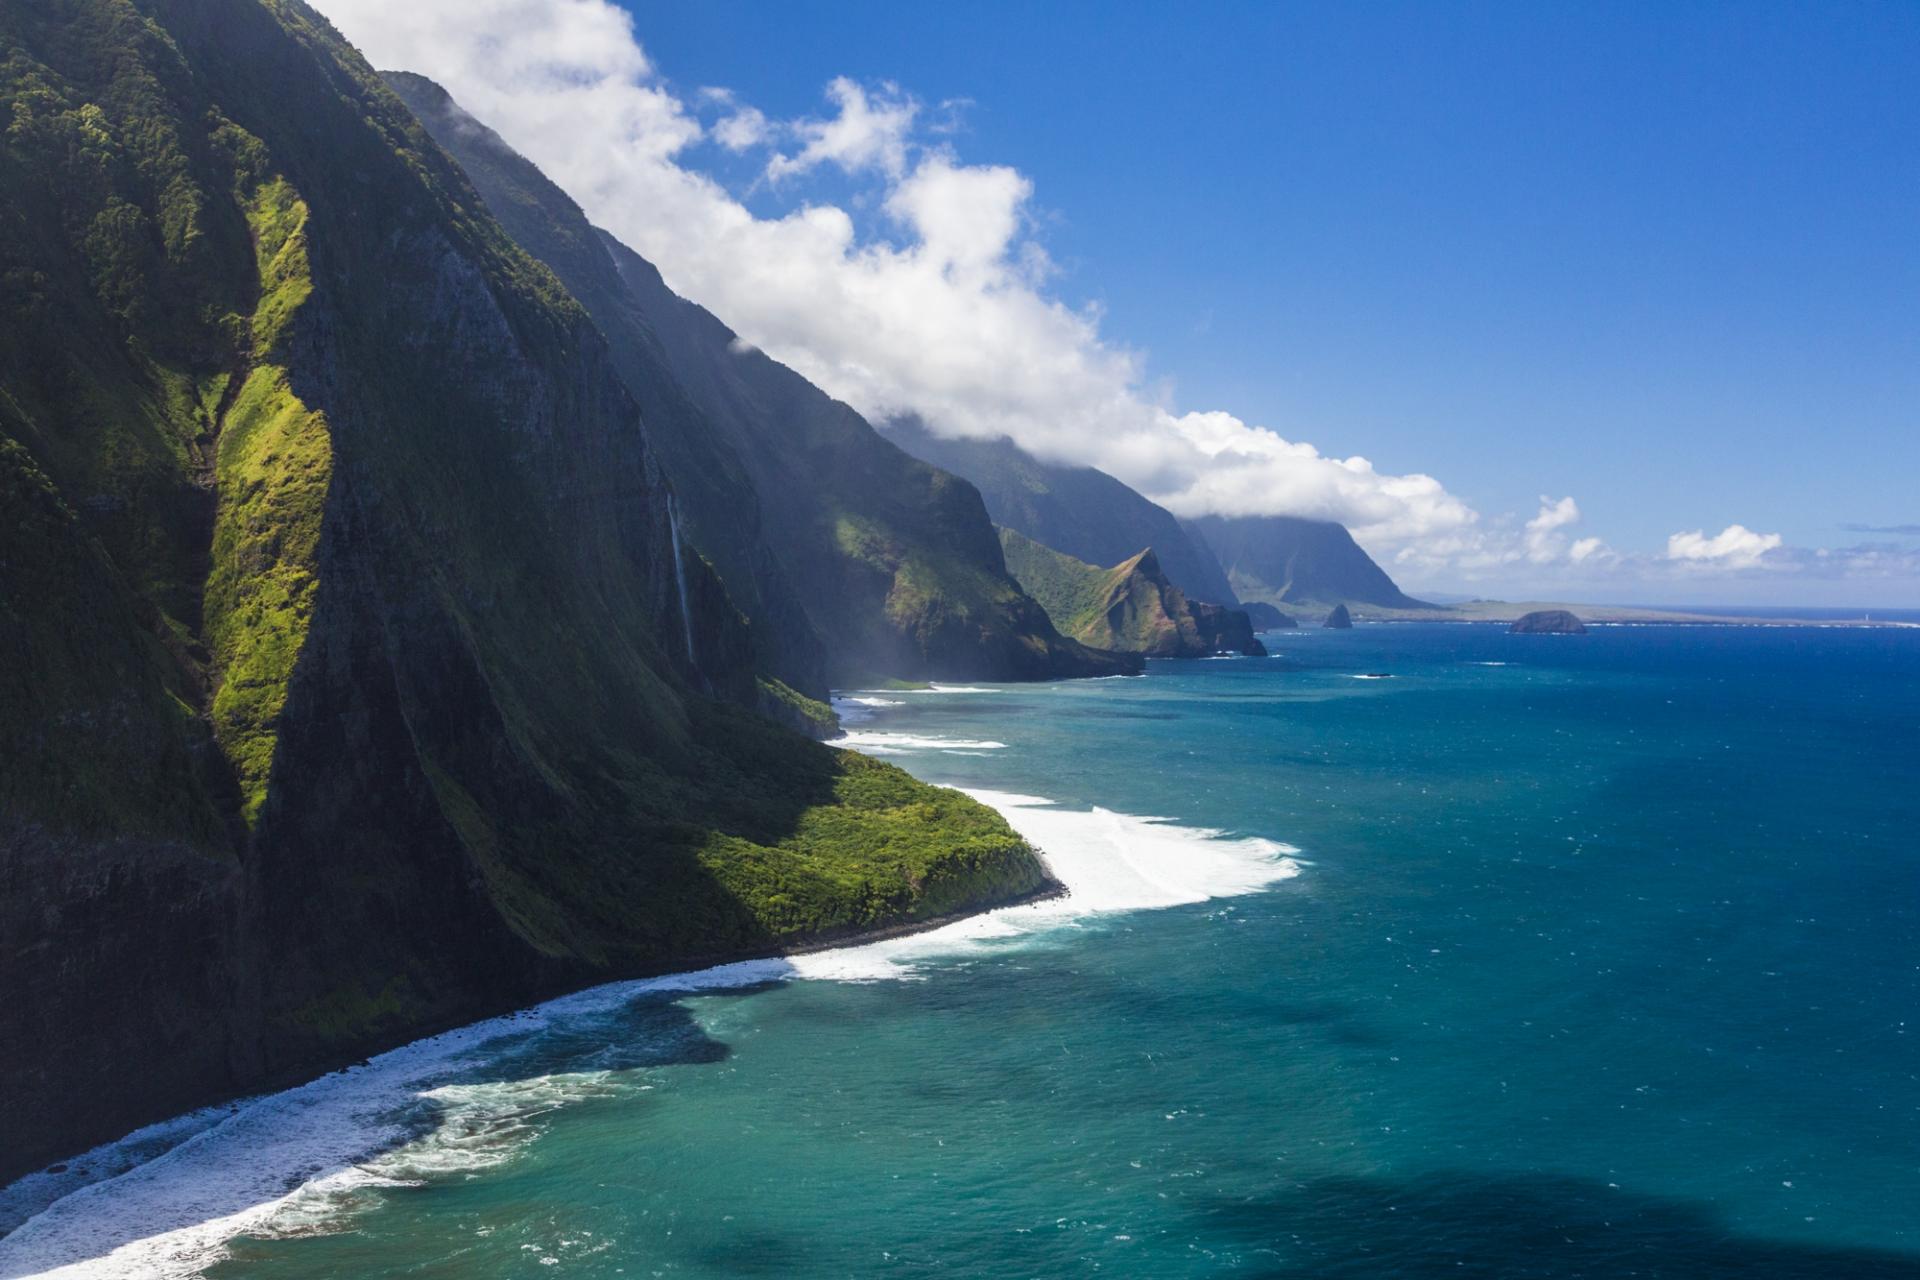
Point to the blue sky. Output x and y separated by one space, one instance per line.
1661 258
1664 255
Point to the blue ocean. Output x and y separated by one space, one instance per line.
1414 950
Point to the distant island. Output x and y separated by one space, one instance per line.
1554 622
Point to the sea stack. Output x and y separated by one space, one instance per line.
1339 619
1549 622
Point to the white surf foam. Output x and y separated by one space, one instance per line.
301 1161
894 743
954 688
292 1162
860 708
1117 862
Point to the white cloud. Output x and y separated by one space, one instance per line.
1734 547
1587 549
964 216
1544 540
940 306
743 127
952 321
867 133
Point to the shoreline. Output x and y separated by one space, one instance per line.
166 1200
1050 889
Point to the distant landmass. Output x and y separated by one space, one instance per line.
1131 608
1288 560
1077 510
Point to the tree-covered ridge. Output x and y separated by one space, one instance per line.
1131 607
155 263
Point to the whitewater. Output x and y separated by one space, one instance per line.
165 1201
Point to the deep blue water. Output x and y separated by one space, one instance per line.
1602 962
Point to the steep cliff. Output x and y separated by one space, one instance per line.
1287 560
1132 607
355 678
853 558
1083 512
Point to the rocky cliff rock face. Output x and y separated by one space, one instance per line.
1339 619
355 679
1131 607
1548 622
852 558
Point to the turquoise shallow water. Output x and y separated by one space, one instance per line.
1601 962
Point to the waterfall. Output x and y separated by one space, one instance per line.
680 579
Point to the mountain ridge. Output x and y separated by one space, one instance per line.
1292 560
1079 511
1131 607
882 564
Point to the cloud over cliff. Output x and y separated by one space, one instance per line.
928 291
939 306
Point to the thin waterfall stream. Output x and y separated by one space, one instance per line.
680 580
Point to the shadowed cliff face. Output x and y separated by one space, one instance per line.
852 558
353 679
1286 560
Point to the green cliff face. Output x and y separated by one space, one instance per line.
1085 513
852 559
354 678
1131 608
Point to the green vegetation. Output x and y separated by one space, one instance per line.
1084 513
91 739
275 460
766 840
1131 607
331 541
887 850
1076 595
797 711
